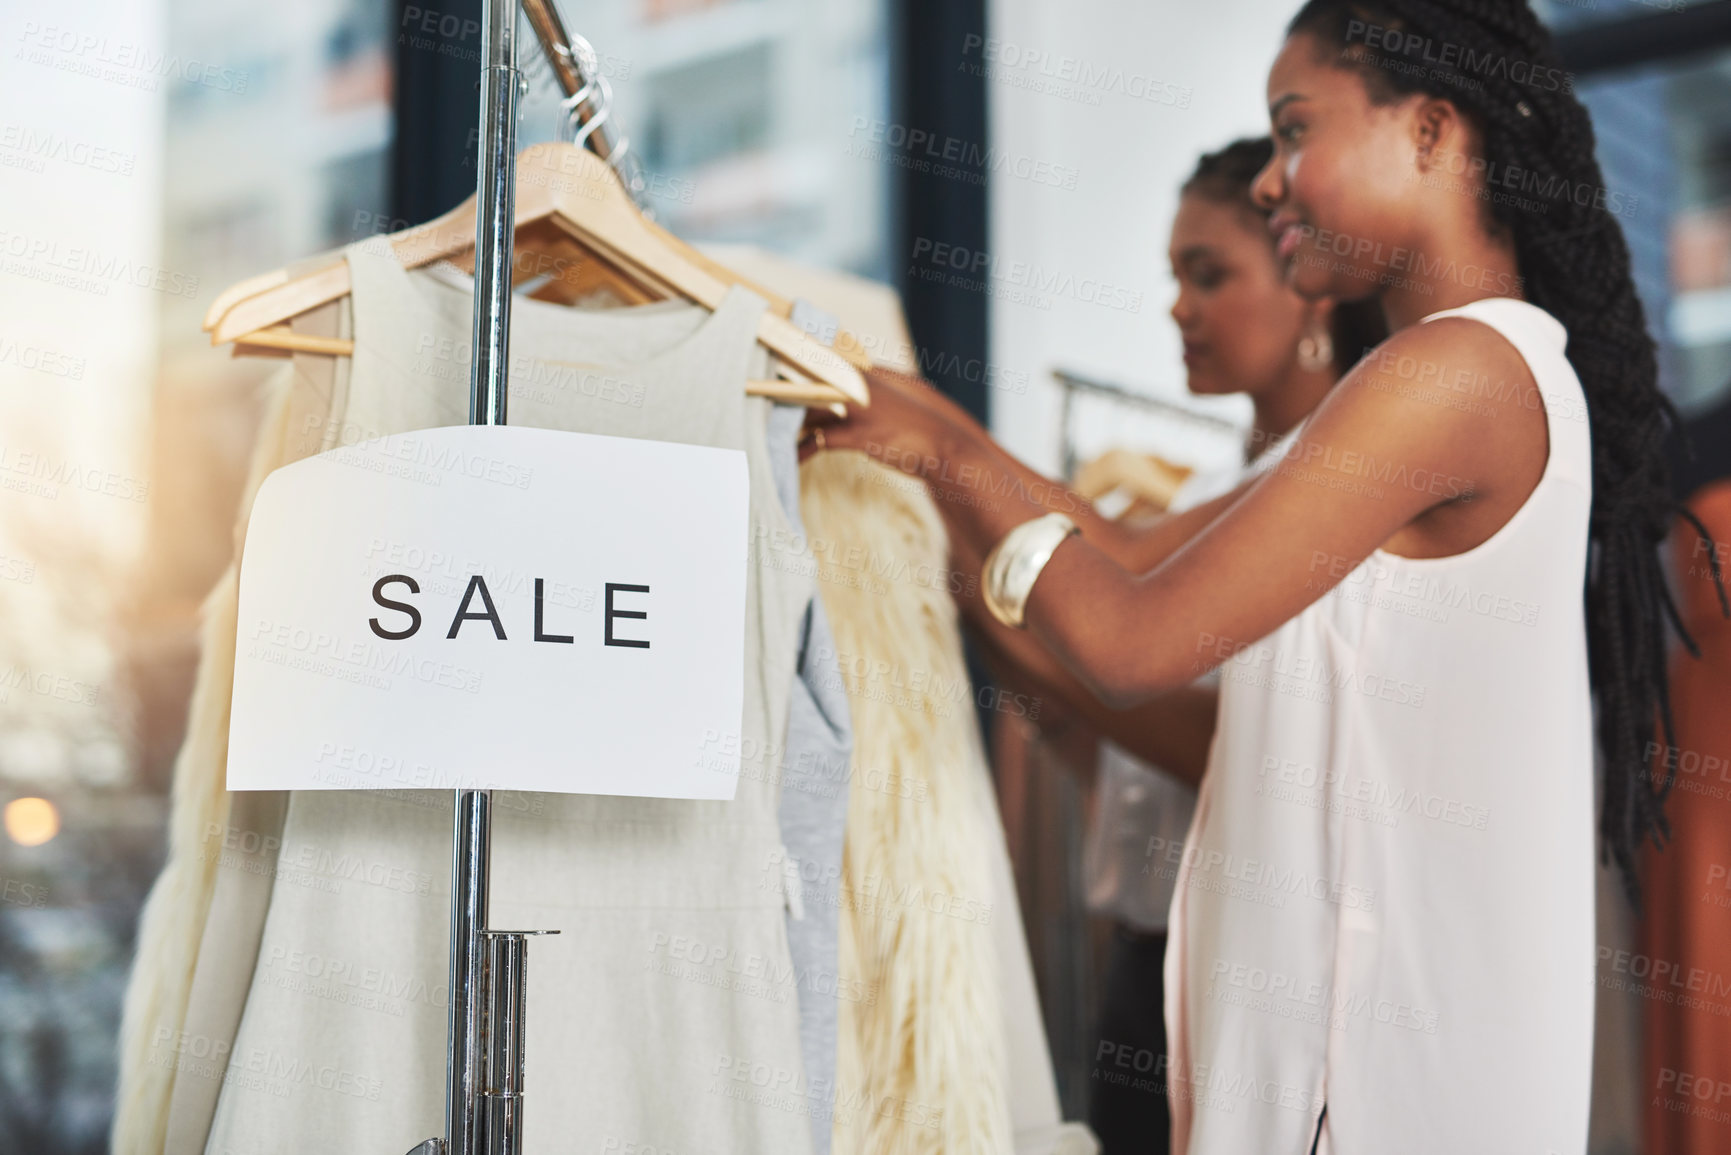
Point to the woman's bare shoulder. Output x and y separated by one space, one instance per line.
1453 387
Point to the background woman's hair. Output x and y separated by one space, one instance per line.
1225 177
1506 79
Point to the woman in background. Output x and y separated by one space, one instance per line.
1244 331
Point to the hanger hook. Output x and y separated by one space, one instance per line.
603 112
596 92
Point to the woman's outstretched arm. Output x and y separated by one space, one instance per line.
902 406
1172 730
1379 454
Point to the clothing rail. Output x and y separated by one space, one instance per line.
1076 383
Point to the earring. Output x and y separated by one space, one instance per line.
1316 350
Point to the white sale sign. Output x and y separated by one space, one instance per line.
497 607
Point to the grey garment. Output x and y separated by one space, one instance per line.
815 764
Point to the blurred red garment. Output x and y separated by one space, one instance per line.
1686 887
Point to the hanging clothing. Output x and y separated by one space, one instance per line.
1686 926
947 1053
193 975
1127 1107
671 982
1136 836
928 1067
199 931
813 769
1386 904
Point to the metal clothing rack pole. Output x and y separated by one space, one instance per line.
486 1029
487 1035
471 840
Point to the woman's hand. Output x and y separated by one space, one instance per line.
902 427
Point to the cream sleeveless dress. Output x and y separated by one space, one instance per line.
1386 903
664 1017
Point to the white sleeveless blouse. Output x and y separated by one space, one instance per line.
1386 902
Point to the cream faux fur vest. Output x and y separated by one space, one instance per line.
924 1061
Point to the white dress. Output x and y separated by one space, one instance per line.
1386 903
665 1015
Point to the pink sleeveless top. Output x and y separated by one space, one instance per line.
1386 903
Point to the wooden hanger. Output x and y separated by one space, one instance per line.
1147 479
569 203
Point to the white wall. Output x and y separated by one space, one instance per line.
1066 88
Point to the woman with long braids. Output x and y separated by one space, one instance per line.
1382 937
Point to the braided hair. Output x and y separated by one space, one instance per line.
1496 64
1225 177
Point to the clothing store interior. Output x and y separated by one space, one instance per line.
999 863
